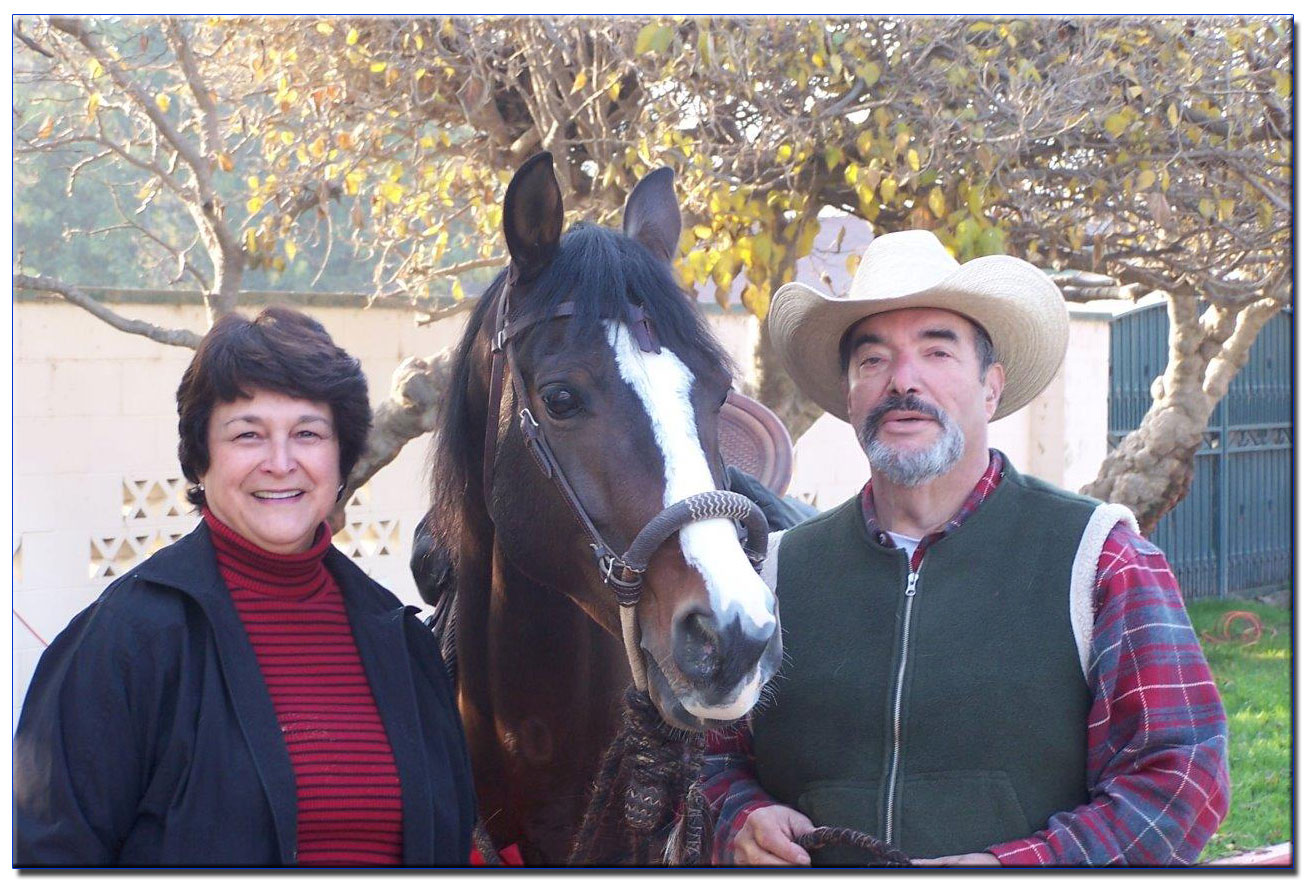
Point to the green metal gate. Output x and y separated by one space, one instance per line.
1233 531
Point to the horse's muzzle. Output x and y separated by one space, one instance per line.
721 670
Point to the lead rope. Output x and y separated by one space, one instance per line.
485 845
630 638
658 765
882 854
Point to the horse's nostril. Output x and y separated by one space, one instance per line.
698 647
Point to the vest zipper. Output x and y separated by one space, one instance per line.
897 704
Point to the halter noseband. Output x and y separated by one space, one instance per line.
622 572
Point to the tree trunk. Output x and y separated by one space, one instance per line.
1152 468
418 389
776 389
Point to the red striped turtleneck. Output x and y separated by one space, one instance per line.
347 785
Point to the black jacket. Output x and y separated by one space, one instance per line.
148 737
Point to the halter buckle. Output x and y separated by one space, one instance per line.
627 592
499 341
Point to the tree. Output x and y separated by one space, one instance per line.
1124 155
160 114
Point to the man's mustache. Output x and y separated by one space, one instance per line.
897 402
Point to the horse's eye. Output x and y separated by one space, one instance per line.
561 402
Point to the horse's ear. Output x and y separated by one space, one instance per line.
652 216
532 215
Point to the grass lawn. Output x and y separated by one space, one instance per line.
1255 683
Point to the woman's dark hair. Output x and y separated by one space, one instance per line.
280 350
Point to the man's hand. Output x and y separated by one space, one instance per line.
766 838
978 859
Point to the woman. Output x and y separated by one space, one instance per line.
247 696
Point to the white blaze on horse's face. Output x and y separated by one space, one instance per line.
664 384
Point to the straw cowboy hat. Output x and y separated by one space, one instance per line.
1018 305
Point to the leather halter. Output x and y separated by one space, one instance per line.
622 572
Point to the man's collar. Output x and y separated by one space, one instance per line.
982 489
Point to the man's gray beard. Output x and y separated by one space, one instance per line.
911 468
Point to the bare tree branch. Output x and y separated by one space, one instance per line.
74 295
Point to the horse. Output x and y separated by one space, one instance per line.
583 407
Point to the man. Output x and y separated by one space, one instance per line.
980 668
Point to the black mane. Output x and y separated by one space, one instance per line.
592 267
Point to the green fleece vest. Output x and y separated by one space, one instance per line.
990 726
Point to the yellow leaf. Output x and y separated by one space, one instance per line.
1172 113
291 249
225 163
46 128
97 69
888 189
1226 209
325 28
352 181
784 153
421 72
391 191
580 80
653 37
1145 179
852 263
864 143
992 241
903 139
376 67
252 181
1116 123
92 105
1282 84
937 204
427 142
850 173
353 36
756 300
164 101
457 292
701 231
254 204
913 160
1206 208
869 73
251 241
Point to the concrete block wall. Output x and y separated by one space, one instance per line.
95 438
96 483
97 486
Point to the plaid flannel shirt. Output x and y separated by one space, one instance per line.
1157 761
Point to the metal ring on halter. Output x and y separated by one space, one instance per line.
627 591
